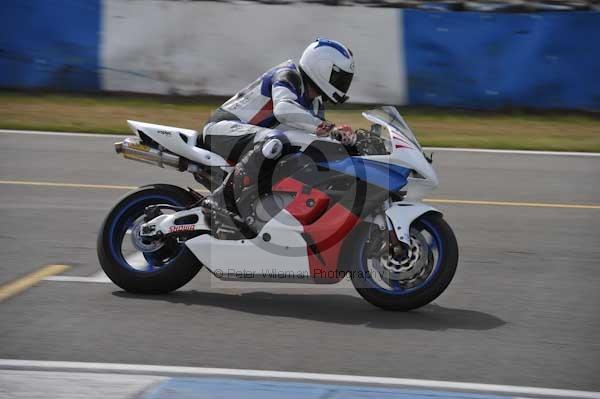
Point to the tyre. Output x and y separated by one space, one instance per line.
399 277
155 268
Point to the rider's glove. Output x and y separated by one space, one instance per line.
344 134
324 128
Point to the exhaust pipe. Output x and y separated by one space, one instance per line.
134 149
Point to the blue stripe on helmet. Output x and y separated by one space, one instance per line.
332 43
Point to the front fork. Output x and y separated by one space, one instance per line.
394 224
400 215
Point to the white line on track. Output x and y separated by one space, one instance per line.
98 277
288 375
518 152
475 150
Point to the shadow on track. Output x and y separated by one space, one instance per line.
332 308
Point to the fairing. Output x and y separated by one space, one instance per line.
179 141
384 175
304 241
403 147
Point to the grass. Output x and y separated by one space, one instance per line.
440 128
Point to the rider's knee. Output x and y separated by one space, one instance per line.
275 144
272 149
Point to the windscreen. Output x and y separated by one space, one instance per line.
389 115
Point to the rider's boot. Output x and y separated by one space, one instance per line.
219 205
217 200
217 213
251 177
253 174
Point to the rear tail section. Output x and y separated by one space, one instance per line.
181 142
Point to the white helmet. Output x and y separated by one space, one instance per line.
329 65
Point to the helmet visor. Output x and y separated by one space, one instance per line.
341 79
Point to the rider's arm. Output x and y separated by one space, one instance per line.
286 91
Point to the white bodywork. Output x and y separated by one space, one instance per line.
282 257
279 252
166 223
406 152
170 138
401 215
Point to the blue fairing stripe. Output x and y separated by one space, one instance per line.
387 176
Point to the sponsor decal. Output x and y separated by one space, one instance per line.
399 141
180 228
164 132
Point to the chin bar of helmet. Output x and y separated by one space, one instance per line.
340 99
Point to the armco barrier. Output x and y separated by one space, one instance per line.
465 59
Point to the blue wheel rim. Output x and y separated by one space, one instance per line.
124 220
397 290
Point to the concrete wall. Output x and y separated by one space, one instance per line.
217 48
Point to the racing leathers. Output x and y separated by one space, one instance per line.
277 97
243 130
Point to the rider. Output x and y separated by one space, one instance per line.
290 95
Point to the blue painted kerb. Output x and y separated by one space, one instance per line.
205 388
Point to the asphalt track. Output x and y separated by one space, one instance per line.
522 309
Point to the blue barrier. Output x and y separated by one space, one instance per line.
51 44
486 60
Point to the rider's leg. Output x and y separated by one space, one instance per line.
252 175
229 139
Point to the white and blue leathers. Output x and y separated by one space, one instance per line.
278 97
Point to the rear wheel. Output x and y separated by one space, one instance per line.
395 276
138 267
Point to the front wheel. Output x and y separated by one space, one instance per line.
395 276
138 267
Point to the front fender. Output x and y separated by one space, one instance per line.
401 215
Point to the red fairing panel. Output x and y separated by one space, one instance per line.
326 232
306 207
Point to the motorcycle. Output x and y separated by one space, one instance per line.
332 212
